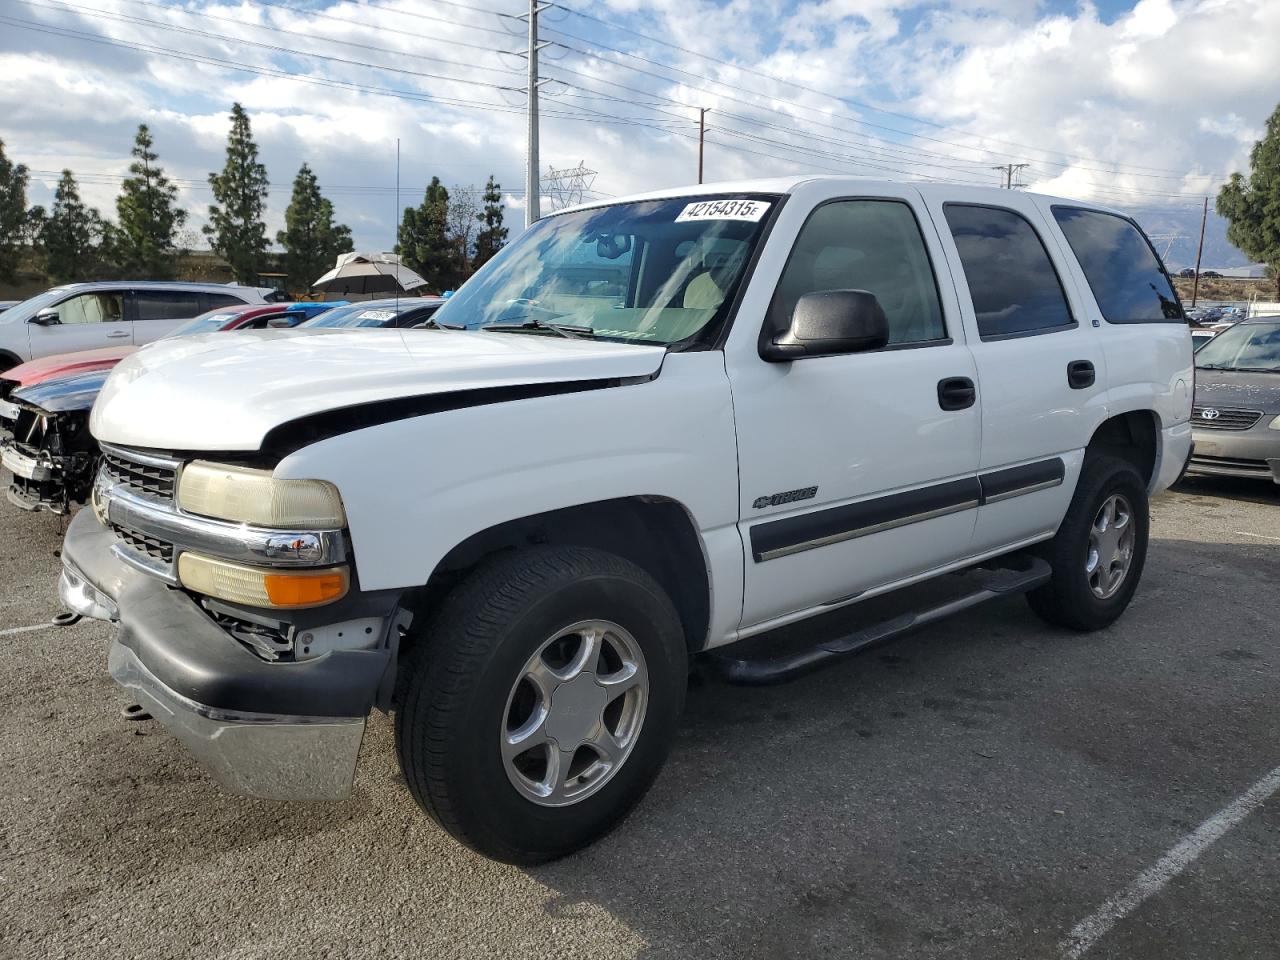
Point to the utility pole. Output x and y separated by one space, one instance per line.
702 137
531 178
1009 169
1195 285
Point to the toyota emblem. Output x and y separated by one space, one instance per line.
1209 413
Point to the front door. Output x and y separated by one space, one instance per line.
86 321
857 470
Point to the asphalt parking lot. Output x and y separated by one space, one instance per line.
979 789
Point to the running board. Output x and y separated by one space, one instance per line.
991 584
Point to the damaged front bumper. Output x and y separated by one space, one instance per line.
285 730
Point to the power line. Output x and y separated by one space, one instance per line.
822 93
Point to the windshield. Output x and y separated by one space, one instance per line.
653 271
359 315
1246 346
205 323
29 308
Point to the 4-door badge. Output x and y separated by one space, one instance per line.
787 496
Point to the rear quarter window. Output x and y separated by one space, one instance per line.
1123 271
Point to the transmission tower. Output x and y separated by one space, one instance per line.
568 187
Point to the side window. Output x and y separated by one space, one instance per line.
105 307
215 300
872 245
165 304
1012 281
1127 280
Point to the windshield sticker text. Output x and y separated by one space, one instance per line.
750 210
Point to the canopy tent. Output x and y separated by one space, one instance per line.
368 273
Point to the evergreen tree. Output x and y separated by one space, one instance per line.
493 234
1252 204
235 227
311 240
149 218
424 241
72 236
13 213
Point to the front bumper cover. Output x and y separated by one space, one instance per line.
287 730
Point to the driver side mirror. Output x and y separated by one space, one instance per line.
827 322
45 318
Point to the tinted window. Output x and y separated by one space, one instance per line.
105 307
1011 279
165 304
215 300
1123 272
872 245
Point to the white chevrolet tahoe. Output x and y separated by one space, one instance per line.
671 425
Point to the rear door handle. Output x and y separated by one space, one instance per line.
1080 374
956 393
116 334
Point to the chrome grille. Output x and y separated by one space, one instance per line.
153 547
151 479
1224 418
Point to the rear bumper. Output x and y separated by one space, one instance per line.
282 730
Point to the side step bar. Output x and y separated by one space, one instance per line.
992 584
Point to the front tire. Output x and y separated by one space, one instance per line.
541 702
1099 551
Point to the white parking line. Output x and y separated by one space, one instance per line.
1089 930
34 626
1260 536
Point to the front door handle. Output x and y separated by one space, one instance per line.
1080 374
956 393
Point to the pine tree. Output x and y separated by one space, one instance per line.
311 240
13 213
149 218
1252 204
493 235
235 227
424 241
72 236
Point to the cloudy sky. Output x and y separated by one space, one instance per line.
1148 105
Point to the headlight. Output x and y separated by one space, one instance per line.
251 496
254 587
1275 424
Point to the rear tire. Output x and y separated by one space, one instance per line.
1099 551
494 660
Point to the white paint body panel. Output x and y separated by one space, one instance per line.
210 392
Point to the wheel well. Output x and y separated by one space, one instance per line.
1130 436
654 533
8 360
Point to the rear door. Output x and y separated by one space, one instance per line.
86 321
1039 359
156 313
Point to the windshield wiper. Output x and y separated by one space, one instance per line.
572 331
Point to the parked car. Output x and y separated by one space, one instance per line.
1236 417
45 404
256 317
84 316
799 394
392 312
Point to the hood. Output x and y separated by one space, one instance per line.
218 393
1245 391
63 364
63 394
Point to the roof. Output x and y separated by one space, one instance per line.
928 188
161 285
